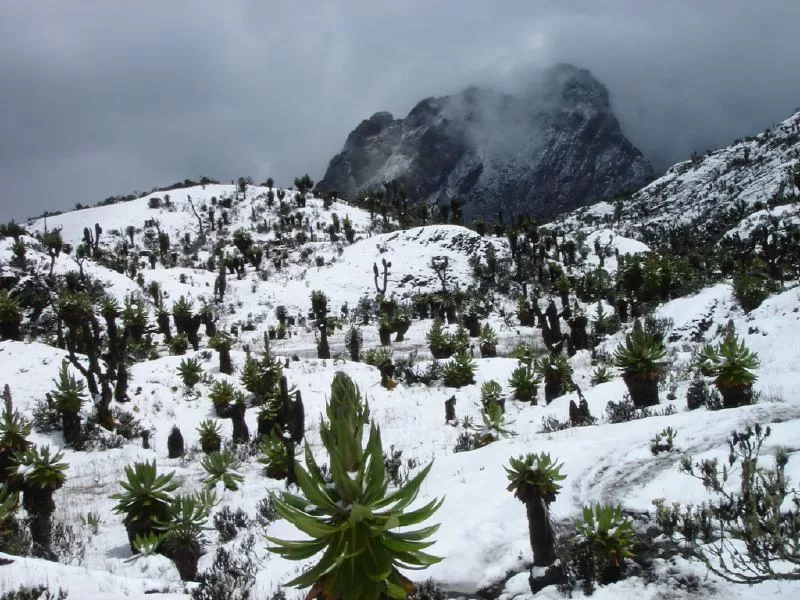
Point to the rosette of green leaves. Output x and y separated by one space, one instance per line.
534 475
494 425
610 535
731 362
351 519
640 355
221 467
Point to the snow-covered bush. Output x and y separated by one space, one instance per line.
748 532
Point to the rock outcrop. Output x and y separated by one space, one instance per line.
551 147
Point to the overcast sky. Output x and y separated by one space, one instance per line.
103 97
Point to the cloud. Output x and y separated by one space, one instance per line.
102 98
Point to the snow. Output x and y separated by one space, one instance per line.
484 533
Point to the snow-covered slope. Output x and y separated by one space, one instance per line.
752 179
483 537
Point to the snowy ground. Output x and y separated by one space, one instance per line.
483 532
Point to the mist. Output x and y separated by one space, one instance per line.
99 98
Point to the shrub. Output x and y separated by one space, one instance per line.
145 500
429 590
751 291
179 344
491 391
640 359
10 317
551 424
601 374
36 592
488 342
190 371
45 418
748 532
465 442
68 543
534 480
608 538
459 371
524 383
440 343
731 364
556 372
221 468
228 523
663 441
231 575
208 433
624 411
265 511
393 461
494 425
698 394
350 519
128 426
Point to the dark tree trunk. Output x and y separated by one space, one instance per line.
265 427
643 389
488 351
240 432
323 350
291 477
401 333
40 506
186 558
473 325
175 444
225 362
578 336
553 389
735 395
164 328
211 327
138 528
71 427
121 388
296 419
551 313
104 415
540 531
192 332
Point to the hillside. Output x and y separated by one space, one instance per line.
687 258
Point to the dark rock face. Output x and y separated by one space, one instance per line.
549 148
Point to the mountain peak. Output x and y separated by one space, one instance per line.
551 146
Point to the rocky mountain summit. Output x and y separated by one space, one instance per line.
552 146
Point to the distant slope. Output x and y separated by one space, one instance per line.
746 176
